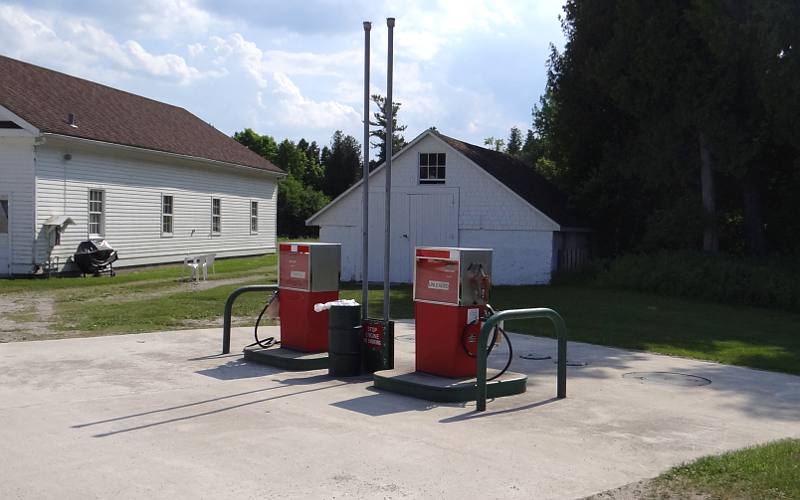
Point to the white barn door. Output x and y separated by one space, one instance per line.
432 221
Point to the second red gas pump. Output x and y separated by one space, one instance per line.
451 294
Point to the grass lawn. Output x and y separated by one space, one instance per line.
154 299
146 276
759 338
767 472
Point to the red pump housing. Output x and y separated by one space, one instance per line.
308 273
451 287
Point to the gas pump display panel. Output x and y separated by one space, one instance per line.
313 267
436 277
294 266
452 276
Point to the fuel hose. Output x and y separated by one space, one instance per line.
269 341
492 343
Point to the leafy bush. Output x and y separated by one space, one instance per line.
296 203
699 276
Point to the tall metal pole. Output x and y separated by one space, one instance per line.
389 112
365 174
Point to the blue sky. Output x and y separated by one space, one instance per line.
294 69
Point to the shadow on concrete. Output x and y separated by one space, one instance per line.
381 403
205 413
760 393
483 414
215 356
171 408
239 369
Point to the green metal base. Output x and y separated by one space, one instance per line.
446 390
287 359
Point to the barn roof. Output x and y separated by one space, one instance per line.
513 173
45 98
520 178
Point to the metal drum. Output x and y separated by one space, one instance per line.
344 341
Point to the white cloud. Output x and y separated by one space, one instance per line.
295 109
76 44
167 18
195 49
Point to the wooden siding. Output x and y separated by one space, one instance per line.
16 181
133 185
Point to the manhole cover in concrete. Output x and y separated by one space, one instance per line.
669 378
574 362
405 338
536 356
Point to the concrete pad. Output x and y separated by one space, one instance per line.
161 415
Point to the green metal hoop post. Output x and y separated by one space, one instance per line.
511 314
226 325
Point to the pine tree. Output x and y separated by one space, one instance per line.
380 131
514 147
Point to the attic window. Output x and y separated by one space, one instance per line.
432 168
9 124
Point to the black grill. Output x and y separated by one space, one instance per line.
95 257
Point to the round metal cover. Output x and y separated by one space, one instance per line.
536 356
669 378
573 362
405 338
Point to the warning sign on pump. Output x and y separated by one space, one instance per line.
298 274
373 335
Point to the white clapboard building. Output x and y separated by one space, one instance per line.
446 192
80 160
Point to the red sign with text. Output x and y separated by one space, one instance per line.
436 280
373 334
294 267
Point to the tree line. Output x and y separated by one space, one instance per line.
315 176
675 125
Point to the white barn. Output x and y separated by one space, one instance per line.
81 160
446 192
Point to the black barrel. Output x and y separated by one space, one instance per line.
344 341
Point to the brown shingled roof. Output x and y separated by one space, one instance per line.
44 98
520 178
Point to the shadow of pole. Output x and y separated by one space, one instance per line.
212 412
479 414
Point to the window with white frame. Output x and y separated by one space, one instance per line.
432 168
167 212
97 207
253 217
216 215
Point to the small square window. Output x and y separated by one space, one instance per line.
432 168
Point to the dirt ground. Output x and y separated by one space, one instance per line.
32 316
648 489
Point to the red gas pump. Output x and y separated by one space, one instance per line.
308 273
451 293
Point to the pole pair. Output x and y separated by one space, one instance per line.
389 140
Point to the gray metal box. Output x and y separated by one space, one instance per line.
309 266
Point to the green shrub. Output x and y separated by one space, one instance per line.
699 276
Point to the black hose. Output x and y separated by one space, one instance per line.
492 343
269 341
510 354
